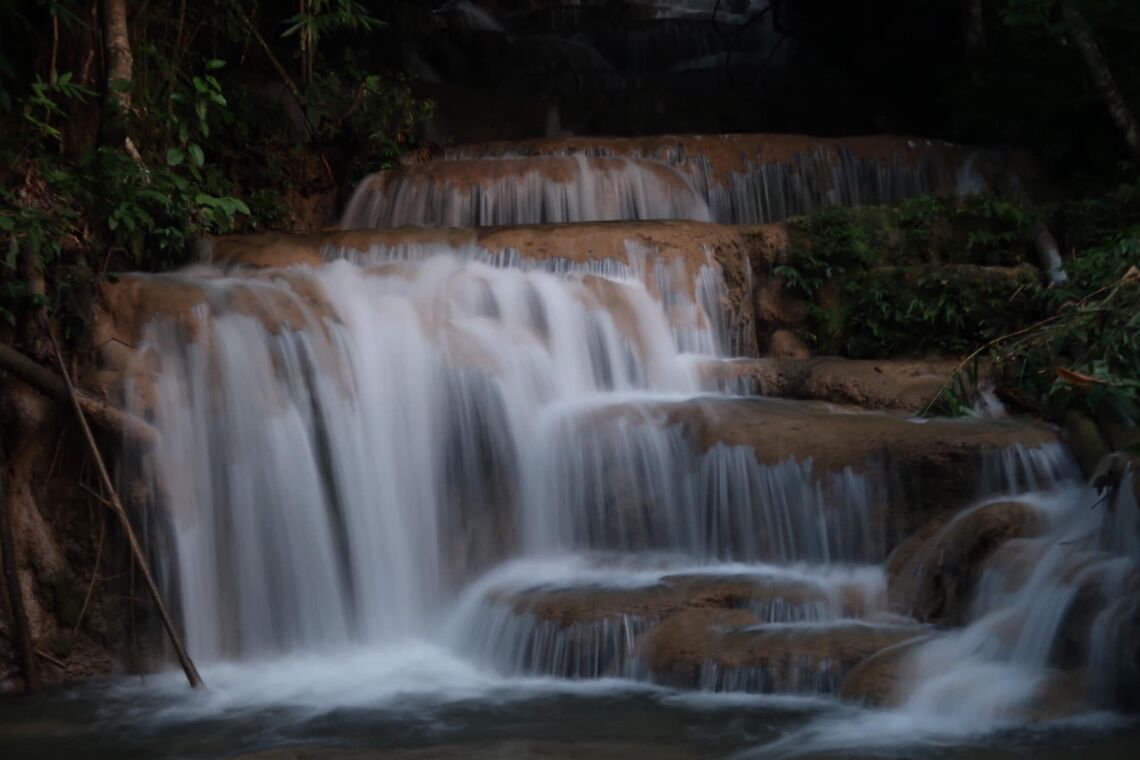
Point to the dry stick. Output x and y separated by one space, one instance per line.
116 505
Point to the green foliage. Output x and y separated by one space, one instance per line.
376 111
911 280
208 151
827 245
1089 349
949 310
1084 349
42 105
318 18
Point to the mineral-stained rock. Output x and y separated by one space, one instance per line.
936 580
717 649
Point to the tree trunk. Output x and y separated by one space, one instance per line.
975 29
120 61
1102 77
21 636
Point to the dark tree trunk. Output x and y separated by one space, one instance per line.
120 60
1102 77
975 22
21 635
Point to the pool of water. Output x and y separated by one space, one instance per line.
422 702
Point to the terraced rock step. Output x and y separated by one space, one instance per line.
739 179
702 272
716 653
630 623
779 479
468 193
760 628
759 178
905 385
624 242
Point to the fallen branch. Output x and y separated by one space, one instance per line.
102 414
116 505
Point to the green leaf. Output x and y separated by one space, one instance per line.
196 155
215 63
174 156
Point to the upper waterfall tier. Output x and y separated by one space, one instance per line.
701 272
469 193
736 179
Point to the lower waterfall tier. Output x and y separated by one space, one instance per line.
533 465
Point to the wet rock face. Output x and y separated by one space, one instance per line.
718 650
744 632
925 468
903 385
874 681
935 573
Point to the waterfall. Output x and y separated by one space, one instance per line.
472 192
517 446
318 474
433 430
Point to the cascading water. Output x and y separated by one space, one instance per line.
511 456
744 179
303 464
346 449
467 193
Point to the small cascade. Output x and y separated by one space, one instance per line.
1052 625
301 462
576 617
467 15
757 179
1020 469
469 193
624 483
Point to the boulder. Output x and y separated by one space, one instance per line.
872 682
934 579
1085 441
717 649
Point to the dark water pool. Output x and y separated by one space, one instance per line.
519 718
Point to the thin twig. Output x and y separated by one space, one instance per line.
1002 339
974 355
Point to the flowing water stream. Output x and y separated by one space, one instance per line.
427 498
